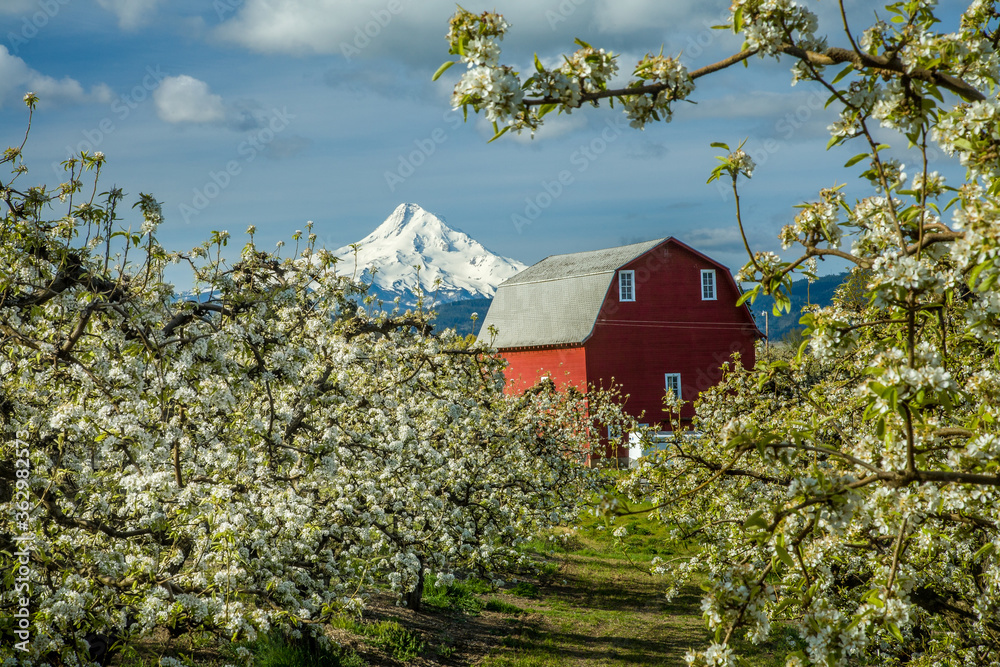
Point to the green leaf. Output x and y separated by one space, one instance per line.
844 72
783 555
856 159
750 295
738 20
756 521
441 70
783 605
894 629
987 550
582 43
874 598
719 144
964 144
538 64
802 350
499 134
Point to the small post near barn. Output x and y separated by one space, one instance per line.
646 316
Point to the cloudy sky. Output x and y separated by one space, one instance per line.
275 112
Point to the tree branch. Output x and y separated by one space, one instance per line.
650 89
836 55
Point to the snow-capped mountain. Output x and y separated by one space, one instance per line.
412 237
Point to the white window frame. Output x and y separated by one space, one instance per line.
708 288
626 292
676 377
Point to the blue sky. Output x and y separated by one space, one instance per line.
276 112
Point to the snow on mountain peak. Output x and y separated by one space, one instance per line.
412 237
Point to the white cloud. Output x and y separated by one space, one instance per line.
307 26
727 237
16 79
131 13
616 16
362 28
184 99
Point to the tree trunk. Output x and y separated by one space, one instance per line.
413 597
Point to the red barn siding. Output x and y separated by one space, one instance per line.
565 365
668 329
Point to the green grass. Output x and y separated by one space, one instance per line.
498 605
603 607
268 650
276 650
460 596
388 635
524 589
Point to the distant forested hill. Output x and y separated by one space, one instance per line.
803 293
458 315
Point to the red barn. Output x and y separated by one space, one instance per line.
647 317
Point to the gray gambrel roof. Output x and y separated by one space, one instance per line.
557 300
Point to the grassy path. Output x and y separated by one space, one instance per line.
601 611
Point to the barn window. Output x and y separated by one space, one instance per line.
708 285
626 285
673 381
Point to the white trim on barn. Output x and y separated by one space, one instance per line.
626 285
708 292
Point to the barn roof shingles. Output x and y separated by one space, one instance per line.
557 300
